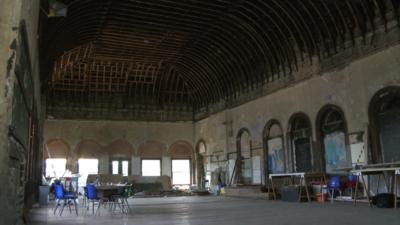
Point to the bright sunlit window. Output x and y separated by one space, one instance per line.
115 166
86 167
151 167
120 166
125 168
55 167
180 172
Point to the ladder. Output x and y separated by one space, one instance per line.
236 173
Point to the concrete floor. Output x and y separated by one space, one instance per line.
224 210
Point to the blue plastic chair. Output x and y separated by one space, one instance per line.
333 185
91 195
64 198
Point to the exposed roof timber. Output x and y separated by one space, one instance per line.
210 50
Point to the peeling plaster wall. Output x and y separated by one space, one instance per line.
12 12
351 88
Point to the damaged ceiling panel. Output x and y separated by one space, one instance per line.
186 55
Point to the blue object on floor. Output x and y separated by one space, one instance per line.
64 198
333 185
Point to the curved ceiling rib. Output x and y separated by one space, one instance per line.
186 55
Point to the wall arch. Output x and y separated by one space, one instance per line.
89 149
57 148
300 142
384 125
244 163
274 156
120 148
181 150
332 137
152 149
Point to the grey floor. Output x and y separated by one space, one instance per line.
224 210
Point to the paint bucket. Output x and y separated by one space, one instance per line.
321 197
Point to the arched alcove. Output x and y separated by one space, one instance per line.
56 148
151 149
120 148
56 154
300 138
120 154
181 150
244 169
89 149
332 139
384 117
273 148
182 163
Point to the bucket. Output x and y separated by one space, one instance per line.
321 197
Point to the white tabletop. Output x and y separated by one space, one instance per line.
396 170
287 175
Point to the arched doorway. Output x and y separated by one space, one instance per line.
201 150
332 135
300 134
273 148
243 142
384 115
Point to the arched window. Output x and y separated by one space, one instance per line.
88 152
333 138
273 148
300 141
151 153
120 152
244 154
384 114
56 154
181 153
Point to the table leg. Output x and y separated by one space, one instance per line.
395 190
366 190
273 188
306 187
386 182
76 207
300 187
356 191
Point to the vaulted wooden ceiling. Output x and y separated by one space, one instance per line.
187 54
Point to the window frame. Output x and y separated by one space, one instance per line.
120 160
